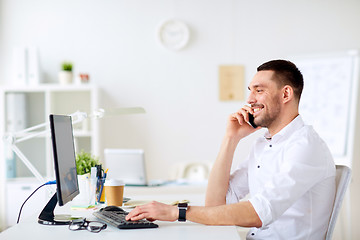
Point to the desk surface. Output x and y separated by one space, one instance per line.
167 230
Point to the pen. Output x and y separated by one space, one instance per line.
100 192
101 187
101 197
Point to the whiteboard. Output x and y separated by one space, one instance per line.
329 97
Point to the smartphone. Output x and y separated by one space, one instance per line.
251 121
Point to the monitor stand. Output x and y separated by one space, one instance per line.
47 216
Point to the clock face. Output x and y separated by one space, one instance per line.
174 34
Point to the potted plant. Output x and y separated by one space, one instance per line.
84 162
66 75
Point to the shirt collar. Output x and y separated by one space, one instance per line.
294 125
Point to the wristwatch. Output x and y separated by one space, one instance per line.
182 211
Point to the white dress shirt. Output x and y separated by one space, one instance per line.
291 181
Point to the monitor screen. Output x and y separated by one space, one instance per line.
64 158
65 170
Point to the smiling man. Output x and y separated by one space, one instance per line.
289 173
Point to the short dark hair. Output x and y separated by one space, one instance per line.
286 73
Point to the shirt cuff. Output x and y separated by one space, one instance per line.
262 208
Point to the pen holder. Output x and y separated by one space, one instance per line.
86 196
100 192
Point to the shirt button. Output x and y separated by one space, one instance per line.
258 166
270 145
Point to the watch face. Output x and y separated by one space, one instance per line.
174 34
182 205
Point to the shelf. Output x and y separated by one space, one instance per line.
39 102
49 87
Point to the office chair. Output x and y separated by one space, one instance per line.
343 176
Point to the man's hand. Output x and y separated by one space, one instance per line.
154 211
238 125
240 214
218 182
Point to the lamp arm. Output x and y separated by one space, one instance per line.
78 117
32 128
26 161
14 138
26 130
21 139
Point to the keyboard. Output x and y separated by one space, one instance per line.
116 216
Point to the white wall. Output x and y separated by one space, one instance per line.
115 42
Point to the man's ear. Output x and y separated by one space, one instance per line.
288 93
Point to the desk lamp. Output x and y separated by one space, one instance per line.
77 117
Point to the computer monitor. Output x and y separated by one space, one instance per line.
65 169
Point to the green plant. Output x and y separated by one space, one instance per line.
85 161
67 66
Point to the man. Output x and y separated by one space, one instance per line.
289 173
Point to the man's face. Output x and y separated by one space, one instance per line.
265 99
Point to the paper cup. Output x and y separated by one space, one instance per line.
114 192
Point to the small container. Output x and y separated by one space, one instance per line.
114 192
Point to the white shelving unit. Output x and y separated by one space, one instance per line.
41 101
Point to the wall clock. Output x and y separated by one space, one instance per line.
174 34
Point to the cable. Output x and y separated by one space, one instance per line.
47 183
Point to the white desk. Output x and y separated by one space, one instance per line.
29 228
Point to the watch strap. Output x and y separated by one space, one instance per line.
182 211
